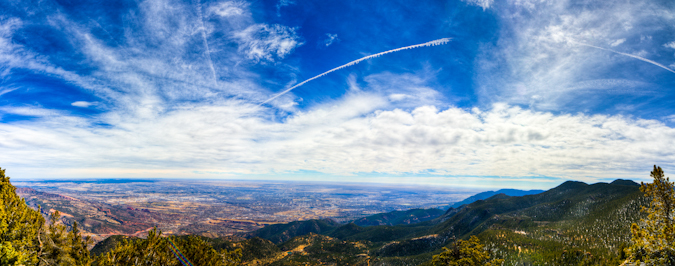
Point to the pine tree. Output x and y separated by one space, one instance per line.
20 227
153 250
199 252
653 241
78 247
465 253
24 240
157 250
62 247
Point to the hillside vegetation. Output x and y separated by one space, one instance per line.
572 224
400 217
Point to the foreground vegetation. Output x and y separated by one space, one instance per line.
572 224
654 237
25 239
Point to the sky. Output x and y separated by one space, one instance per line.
519 93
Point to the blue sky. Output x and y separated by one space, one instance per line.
525 94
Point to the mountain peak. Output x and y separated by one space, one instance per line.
571 184
487 194
499 196
624 182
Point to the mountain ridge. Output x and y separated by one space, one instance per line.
555 219
487 194
592 222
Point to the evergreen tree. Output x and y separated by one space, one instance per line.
653 241
24 239
202 253
19 227
62 247
158 250
78 247
465 253
153 250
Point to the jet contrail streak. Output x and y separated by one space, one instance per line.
431 43
630 55
206 43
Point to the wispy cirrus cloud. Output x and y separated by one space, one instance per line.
262 42
230 9
283 3
6 90
8 50
330 39
538 60
485 4
30 111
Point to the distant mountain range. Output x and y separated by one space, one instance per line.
420 215
572 224
487 194
279 233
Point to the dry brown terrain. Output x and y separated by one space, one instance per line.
212 209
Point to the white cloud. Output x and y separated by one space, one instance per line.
6 90
330 39
617 42
670 45
30 111
354 134
485 4
82 104
230 9
395 97
8 50
261 42
283 3
407 90
539 52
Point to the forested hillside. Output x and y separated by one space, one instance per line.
572 224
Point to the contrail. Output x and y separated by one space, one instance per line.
630 55
431 43
206 44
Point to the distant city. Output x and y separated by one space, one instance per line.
219 208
